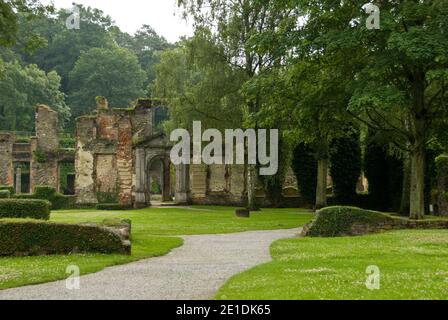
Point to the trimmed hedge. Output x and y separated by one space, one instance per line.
111 206
16 208
30 238
9 188
58 201
343 221
5 194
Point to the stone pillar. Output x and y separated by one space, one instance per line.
6 164
141 199
125 164
166 185
182 195
19 180
84 161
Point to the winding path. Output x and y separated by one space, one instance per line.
194 271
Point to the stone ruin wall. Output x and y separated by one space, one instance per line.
104 161
43 152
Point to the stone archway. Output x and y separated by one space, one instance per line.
158 176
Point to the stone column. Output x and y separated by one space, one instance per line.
19 180
166 185
182 195
141 200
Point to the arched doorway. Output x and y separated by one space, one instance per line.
159 180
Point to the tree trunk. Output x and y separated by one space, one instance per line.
251 188
417 195
321 190
405 196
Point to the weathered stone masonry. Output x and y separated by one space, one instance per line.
116 153
43 153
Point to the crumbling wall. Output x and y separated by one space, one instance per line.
44 169
84 161
6 156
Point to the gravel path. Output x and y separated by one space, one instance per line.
194 271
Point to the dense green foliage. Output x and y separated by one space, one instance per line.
305 169
111 73
25 208
9 188
40 238
345 160
338 221
5 194
385 175
21 88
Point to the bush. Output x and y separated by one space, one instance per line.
58 201
345 167
304 165
343 221
5 194
111 206
44 192
16 208
41 238
9 188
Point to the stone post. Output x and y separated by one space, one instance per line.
166 185
182 195
141 199
19 180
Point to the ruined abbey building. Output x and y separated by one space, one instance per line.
121 156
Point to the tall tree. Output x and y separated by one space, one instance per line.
21 88
397 75
10 12
112 73
235 23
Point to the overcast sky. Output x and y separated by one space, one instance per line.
130 15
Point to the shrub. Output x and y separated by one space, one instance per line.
342 221
9 188
304 165
17 208
5 194
44 192
58 201
345 168
111 206
41 238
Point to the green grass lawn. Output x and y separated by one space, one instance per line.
154 233
413 265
